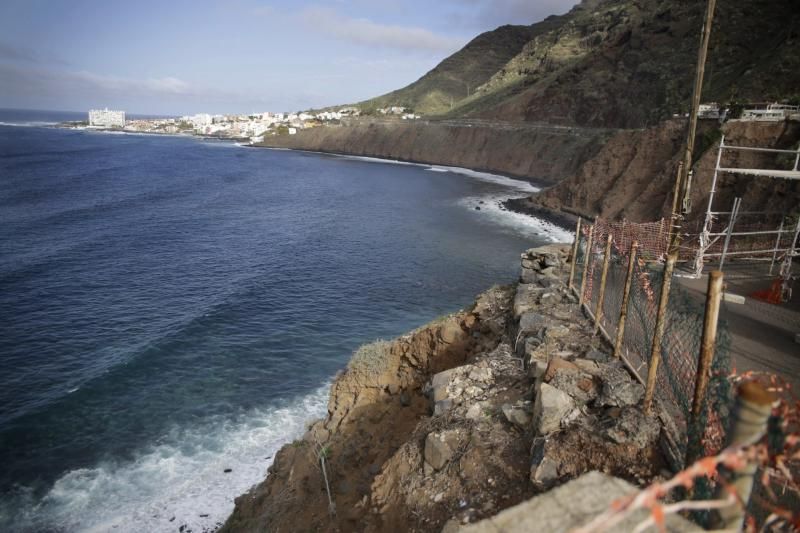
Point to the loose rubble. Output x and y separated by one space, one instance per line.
536 399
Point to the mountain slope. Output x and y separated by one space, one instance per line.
614 63
463 71
630 64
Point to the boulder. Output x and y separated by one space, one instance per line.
590 367
618 387
635 428
442 406
577 384
439 448
556 364
526 298
551 298
544 469
516 415
550 407
532 322
556 332
528 275
451 332
475 411
597 356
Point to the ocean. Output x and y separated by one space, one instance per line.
172 310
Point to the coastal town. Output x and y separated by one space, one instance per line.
255 127
247 127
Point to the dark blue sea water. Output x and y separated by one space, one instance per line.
172 307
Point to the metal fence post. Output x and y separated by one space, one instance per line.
598 311
707 347
575 247
626 294
777 246
655 352
734 214
586 260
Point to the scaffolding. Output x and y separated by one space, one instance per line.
757 240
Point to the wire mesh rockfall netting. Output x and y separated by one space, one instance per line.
680 345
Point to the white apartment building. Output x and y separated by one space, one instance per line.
200 120
106 118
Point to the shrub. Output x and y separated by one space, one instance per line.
370 358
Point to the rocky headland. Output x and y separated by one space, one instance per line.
463 418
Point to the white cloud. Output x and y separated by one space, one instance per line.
366 32
22 79
488 14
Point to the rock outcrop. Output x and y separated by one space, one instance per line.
463 418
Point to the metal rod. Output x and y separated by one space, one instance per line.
746 252
708 344
575 246
756 149
749 213
586 264
736 202
598 313
775 252
786 268
765 232
703 244
626 296
658 334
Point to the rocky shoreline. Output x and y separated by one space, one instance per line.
463 418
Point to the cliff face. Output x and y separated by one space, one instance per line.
632 176
463 418
544 153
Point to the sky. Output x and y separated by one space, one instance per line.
232 56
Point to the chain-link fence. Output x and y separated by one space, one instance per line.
683 330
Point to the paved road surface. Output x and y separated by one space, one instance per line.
762 334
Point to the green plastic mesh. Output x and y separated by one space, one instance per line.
680 347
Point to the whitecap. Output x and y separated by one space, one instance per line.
528 226
172 483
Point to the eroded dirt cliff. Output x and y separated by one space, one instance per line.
542 152
632 176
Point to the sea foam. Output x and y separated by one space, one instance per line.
179 481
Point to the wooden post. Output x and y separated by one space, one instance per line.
707 347
575 247
598 311
750 415
586 261
658 334
626 296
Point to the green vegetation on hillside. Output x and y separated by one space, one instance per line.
614 63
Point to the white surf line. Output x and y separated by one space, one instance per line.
492 203
190 477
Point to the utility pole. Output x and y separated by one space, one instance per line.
681 190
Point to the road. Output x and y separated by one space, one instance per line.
763 334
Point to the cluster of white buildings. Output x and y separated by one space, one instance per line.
397 110
771 113
761 113
252 126
106 118
257 125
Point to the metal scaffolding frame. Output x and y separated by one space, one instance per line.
708 238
